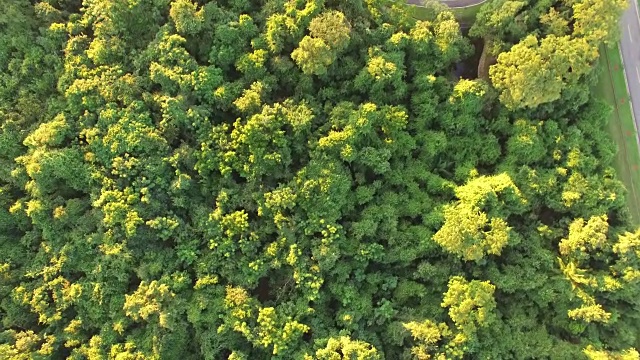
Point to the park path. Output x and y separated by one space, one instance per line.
451 3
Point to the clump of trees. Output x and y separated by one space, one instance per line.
305 179
545 49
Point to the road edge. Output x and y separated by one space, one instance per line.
445 2
626 84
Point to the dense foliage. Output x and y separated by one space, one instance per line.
308 179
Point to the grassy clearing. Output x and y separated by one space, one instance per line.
612 88
418 12
467 15
464 15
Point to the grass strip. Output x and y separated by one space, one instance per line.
613 89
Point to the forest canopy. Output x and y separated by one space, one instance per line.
310 179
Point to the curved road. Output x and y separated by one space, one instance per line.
630 49
451 3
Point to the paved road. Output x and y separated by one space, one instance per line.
451 3
630 48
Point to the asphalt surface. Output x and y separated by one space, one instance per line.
630 49
451 3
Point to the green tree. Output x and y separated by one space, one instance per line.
470 232
536 72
